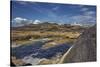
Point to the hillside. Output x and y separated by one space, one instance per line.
46 26
84 49
49 41
45 30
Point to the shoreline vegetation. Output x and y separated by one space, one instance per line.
54 34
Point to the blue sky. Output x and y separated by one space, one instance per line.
54 12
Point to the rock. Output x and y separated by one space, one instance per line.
84 49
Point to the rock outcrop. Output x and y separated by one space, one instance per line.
84 49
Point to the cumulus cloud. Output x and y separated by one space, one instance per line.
36 22
18 21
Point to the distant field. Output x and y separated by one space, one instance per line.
60 37
58 33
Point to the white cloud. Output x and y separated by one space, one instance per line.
23 2
81 18
89 13
36 22
86 17
18 21
84 9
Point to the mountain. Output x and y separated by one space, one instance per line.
84 49
46 26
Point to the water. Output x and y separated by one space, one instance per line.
34 50
51 52
25 50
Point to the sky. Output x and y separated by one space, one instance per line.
27 12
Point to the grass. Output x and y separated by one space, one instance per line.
57 37
17 62
22 37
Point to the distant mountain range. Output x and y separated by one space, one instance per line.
20 22
46 26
